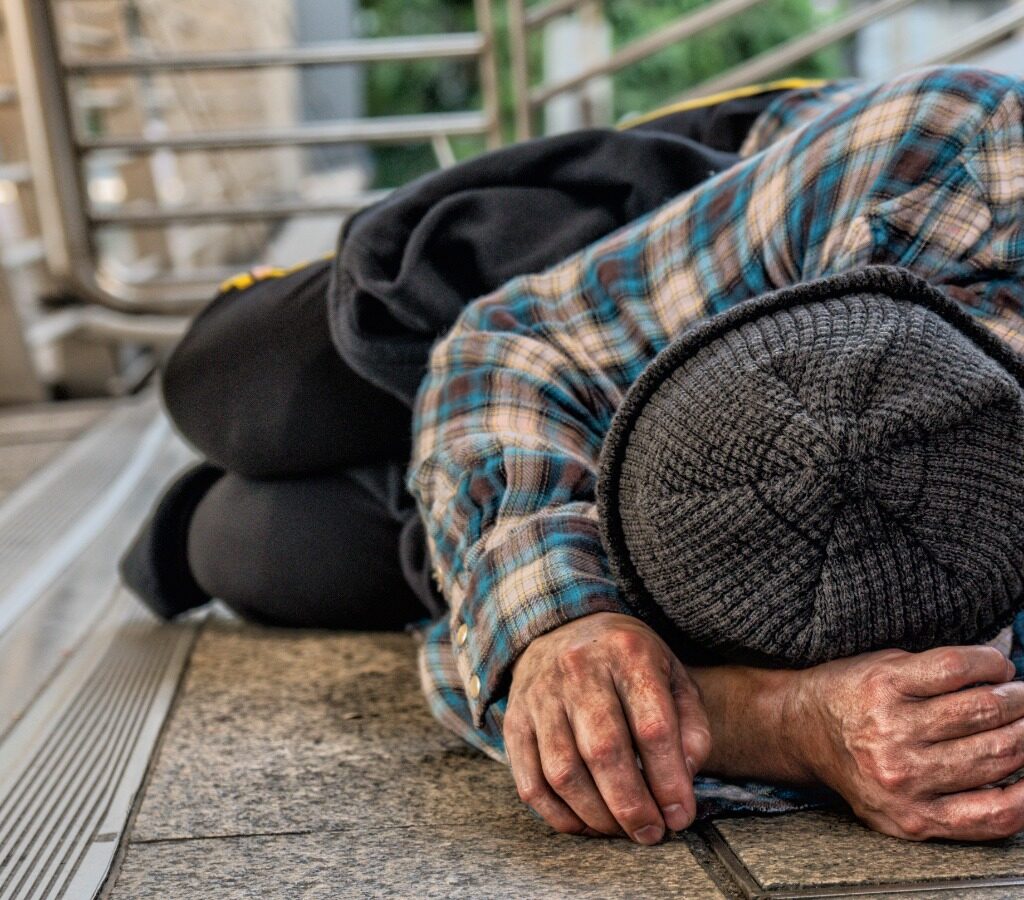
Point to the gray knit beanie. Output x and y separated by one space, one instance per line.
833 468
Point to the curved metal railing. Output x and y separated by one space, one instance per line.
58 151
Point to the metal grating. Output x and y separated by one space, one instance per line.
73 765
87 674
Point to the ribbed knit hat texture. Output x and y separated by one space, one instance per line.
829 469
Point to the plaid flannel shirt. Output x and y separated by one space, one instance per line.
925 172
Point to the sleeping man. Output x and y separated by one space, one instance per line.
735 492
740 488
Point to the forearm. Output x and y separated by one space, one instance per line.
759 728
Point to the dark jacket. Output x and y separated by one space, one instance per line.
407 266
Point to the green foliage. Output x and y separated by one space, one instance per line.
422 86
451 85
670 72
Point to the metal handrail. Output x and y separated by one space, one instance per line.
780 58
16 173
540 15
982 36
21 254
381 129
685 27
149 215
57 151
530 98
366 50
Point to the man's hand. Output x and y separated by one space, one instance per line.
913 740
586 699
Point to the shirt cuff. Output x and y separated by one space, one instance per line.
543 574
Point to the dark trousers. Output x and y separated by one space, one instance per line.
308 522
298 389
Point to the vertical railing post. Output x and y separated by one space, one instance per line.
518 50
596 100
49 137
19 382
489 84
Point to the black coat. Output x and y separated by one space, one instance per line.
407 266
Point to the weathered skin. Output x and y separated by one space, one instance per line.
912 741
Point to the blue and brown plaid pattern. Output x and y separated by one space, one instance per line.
925 172
795 109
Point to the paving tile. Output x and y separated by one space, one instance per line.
421 862
1007 892
19 461
810 849
285 731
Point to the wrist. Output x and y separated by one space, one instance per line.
805 725
760 719
783 700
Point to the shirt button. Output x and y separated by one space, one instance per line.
474 687
462 634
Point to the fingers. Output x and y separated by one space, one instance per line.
653 719
948 669
531 785
972 762
573 731
985 815
968 712
606 746
693 719
567 774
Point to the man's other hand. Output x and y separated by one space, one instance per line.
586 700
914 741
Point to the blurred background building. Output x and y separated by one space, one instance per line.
167 143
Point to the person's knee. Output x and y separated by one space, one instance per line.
318 553
258 388
227 388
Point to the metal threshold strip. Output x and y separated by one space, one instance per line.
73 765
87 674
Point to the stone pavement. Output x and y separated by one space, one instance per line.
306 765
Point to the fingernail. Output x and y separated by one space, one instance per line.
675 817
691 766
649 834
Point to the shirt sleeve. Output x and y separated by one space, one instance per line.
518 396
971 244
794 109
